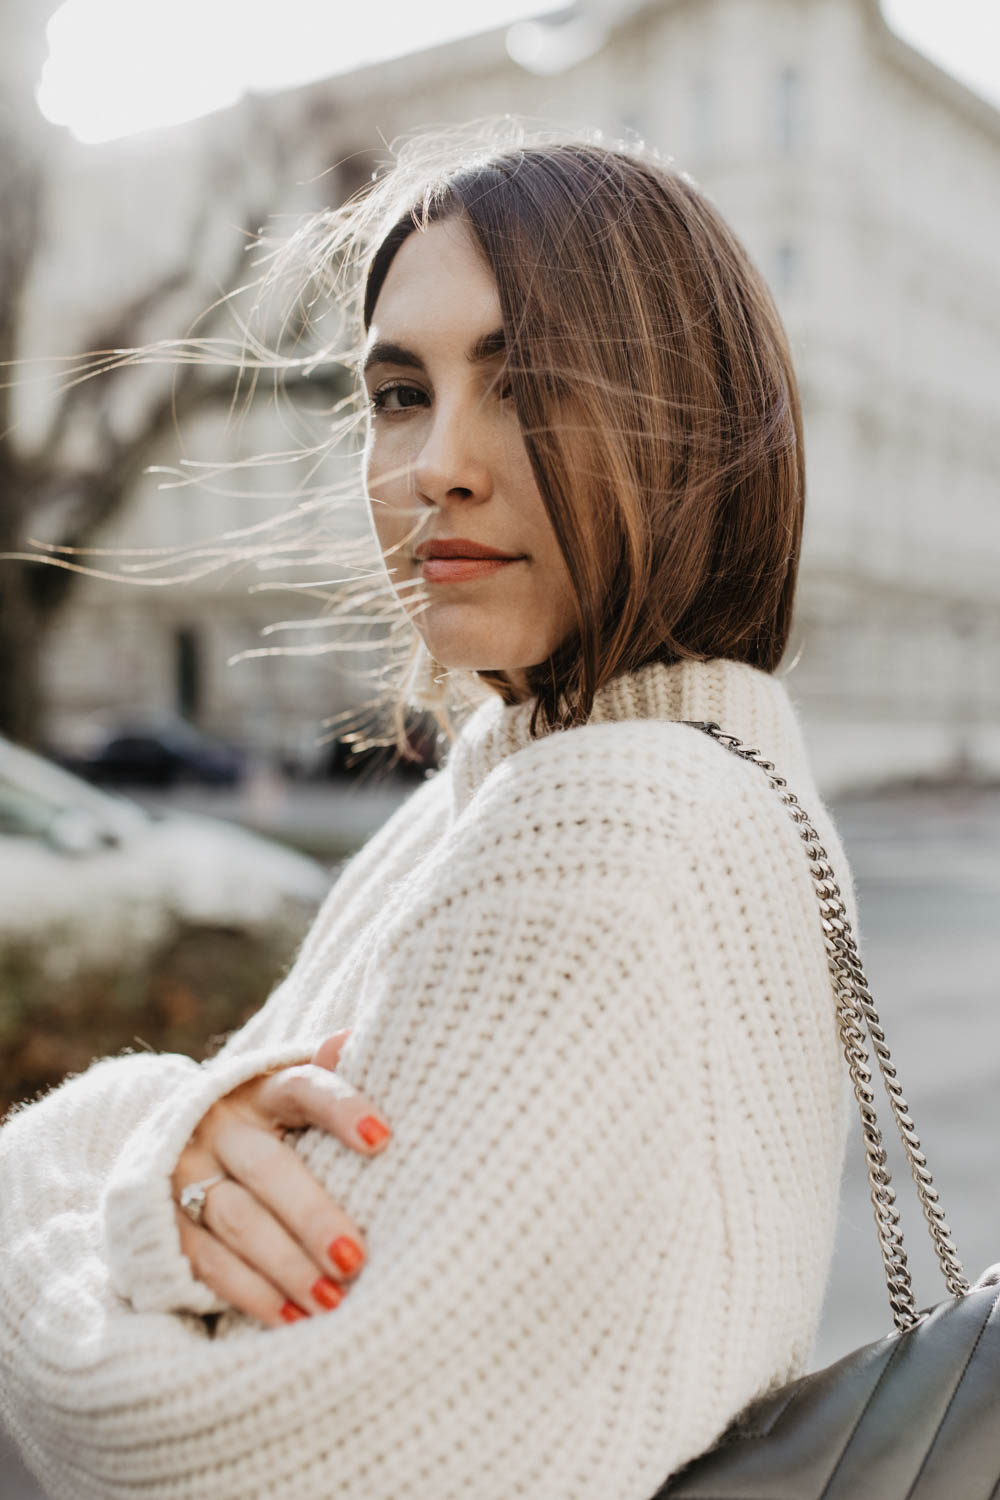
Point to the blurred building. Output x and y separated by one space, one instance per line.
863 180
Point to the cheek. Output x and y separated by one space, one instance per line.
520 481
391 512
373 465
380 514
384 484
388 469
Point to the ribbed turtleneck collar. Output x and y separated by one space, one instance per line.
747 702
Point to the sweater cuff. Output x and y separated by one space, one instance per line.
142 1244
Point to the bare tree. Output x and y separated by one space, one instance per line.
42 480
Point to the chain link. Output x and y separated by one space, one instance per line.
856 1014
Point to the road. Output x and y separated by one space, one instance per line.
928 876
927 869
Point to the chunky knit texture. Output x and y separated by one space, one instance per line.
588 987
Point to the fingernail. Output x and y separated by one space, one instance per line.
327 1293
291 1312
346 1254
372 1131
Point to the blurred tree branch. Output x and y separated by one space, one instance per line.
44 480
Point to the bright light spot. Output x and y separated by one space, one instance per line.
116 67
120 66
963 37
545 49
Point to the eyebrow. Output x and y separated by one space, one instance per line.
385 352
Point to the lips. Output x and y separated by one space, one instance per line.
464 569
462 547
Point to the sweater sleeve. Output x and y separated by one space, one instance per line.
142 1247
92 1159
602 1224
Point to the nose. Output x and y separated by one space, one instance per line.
452 466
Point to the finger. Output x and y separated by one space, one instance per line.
311 1095
283 1183
238 1219
195 1164
298 1284
327 1054
230 1278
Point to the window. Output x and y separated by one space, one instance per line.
789 109
187 671
786 269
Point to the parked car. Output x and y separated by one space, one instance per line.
157 750
71 852
121 924
343 759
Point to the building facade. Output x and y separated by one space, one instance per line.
863 180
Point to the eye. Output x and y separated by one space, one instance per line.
379 398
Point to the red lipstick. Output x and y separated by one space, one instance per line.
459 560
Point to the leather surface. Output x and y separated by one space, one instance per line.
915 1416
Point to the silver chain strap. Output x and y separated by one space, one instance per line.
855 1012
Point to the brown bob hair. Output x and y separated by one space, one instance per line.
655 391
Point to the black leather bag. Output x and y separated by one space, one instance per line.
915 1415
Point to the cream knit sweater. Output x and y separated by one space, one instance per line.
588 987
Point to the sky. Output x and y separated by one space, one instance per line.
116 67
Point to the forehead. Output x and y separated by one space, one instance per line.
438 283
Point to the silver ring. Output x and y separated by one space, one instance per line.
192 1199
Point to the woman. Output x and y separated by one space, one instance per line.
560 1050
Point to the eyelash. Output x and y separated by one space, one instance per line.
377 399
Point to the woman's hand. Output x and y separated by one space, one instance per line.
271 1241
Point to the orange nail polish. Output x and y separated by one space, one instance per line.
346 1254
291 1312
372 1131
327 1293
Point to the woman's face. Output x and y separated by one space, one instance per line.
445 460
